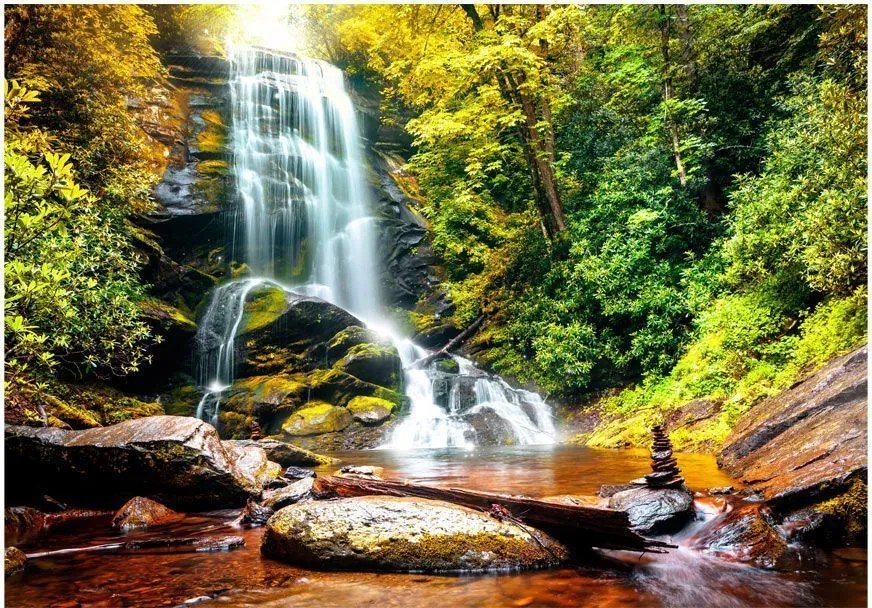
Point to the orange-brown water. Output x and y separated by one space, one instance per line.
243 578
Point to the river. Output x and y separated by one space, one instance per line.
243 578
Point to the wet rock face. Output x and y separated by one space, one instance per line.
175 459
489 428
654 510
288 495
403 534
308 368
141 512
745 533
807 445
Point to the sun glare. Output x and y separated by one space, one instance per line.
275 25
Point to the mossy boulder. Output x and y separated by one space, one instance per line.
267 399
233 425
446 365
263 307
181 400
317 418
339 345
374 363
340 388
404 534
370 410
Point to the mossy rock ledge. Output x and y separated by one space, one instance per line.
383 533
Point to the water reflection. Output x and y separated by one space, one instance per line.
242 578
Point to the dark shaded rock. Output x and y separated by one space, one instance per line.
255 514
288 455
14 561
489 428
459 388
178 460
141 512
299 473
22 524
840 520
293 493
654 509
403 534
745 533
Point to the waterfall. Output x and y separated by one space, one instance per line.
304 223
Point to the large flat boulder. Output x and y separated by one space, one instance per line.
654 509
807 443
176 460
403 534
286 454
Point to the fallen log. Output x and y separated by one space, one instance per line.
445 350
575 525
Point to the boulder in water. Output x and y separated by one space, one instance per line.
374 363
489 428
404 534
141 512
654 509
178 460
745 533
317 418
15 560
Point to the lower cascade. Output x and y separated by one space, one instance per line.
304 227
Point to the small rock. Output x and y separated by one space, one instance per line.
287 454
141 512
654 509
403 534
15 560
297 473
254 514
721 490
360 472
282 497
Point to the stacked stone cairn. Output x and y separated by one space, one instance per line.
666 471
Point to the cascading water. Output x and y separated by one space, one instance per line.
304 224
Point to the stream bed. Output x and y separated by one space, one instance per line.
159 577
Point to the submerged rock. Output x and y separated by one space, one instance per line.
745 533
403 534
15 560
141 512
654 509
178 460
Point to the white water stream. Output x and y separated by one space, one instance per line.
304 224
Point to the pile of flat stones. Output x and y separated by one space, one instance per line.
666 471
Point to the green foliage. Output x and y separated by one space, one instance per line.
70 276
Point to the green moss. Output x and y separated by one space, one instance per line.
213 138
317 418
182 401
233 425
365 404
263 307
213 168
161 311
850 507
338 387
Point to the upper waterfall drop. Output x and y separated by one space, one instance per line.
304 223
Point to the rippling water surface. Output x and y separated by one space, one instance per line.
244 578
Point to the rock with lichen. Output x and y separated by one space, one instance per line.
404 534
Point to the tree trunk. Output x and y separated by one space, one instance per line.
576 525
667 94
454 343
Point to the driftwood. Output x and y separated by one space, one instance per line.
452 344
576 525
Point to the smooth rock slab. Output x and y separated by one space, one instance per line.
286 454
746 533
288 495
403 534
653 509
